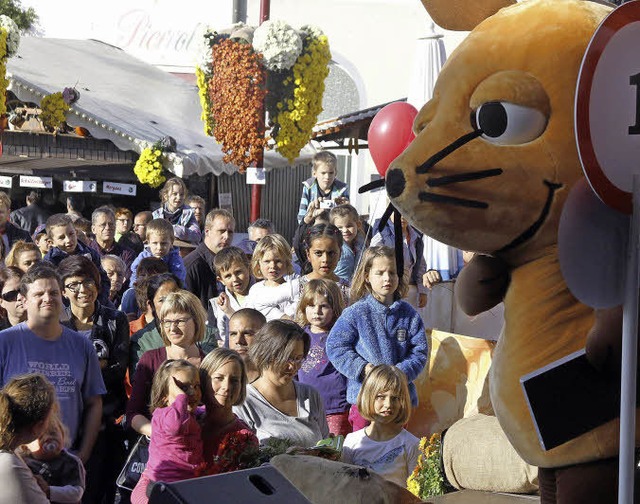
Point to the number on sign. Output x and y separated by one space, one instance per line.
634 80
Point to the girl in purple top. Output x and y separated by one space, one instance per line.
320 306
175 450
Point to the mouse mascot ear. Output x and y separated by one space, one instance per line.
462 16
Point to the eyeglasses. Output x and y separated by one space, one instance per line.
75 286
181 323
10 296
295 362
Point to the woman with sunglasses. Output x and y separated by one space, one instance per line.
277 406
13 311
108 330
182 326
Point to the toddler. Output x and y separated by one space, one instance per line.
384 446
175 450
378 328
234 272
160 244
60 474
323 185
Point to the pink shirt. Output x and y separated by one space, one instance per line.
175 451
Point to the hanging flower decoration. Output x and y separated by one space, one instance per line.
237 95
149 166
427 479
276 69
53 112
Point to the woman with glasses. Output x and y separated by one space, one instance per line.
13 311
277 406
182 326
108 330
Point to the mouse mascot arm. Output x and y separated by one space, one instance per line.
481 284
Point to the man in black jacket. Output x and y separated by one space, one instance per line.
31 216
201 275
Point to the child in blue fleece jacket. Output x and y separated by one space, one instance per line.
160 244
378 328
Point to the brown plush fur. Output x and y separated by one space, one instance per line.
527 54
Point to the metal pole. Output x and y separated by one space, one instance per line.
256 190
239 11
629 357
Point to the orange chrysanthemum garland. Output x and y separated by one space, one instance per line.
4 82
237 95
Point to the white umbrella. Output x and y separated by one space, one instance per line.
430 56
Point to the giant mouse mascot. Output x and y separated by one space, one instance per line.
489 171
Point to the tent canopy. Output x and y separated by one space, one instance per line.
122 99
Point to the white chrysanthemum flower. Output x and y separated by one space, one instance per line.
204 53
279 44
13 34
311 31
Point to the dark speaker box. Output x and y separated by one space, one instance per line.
256 486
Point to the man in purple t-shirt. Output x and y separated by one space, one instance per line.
67 359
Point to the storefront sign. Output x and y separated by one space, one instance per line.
79 186
256 176
6 182
118 188
35 181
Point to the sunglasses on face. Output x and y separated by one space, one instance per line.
10 296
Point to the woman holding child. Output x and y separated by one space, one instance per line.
182 322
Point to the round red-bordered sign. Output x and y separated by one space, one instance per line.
607 108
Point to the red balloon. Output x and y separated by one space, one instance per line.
390 133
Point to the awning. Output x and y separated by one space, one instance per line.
122 99
348 127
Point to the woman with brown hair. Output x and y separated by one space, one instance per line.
277 406
26 403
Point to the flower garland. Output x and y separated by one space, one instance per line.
149 166
297 116
427 479
53 111
237 95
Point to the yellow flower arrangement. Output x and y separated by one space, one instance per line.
148 167
299 113
53 111
202 80
427 479
4 82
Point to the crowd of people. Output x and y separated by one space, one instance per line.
155 325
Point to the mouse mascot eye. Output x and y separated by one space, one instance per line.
504 123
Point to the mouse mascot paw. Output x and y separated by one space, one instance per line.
481 284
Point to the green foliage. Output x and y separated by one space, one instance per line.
24 18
